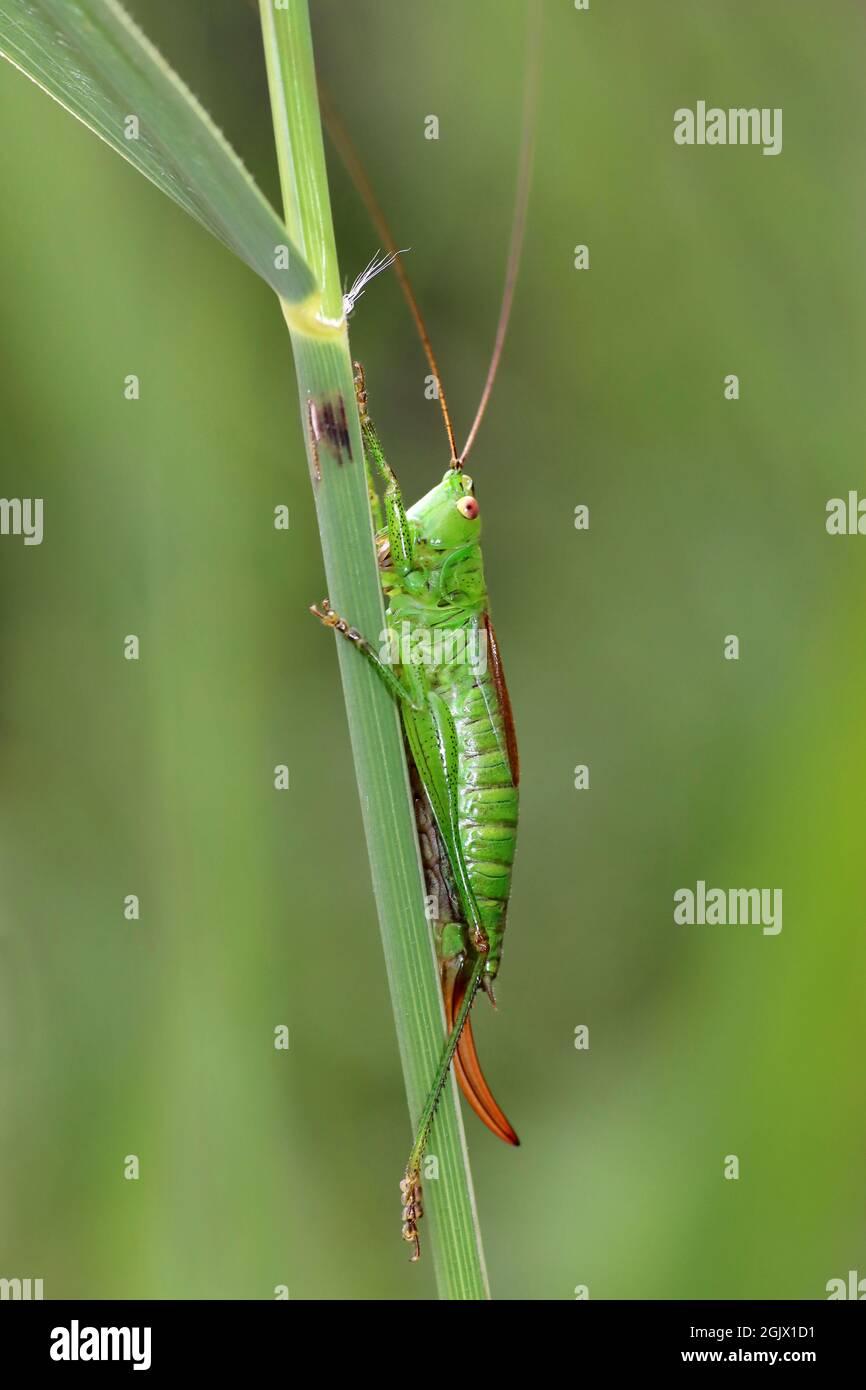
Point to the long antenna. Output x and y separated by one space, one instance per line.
350 157
352 160
518 225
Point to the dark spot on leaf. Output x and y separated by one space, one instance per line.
329 431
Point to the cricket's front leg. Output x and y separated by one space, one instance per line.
387 676
399 530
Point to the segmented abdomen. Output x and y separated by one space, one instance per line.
487 797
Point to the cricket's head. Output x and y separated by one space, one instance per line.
448 516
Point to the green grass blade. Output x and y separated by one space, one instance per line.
324 373
92 58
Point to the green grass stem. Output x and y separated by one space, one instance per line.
324 372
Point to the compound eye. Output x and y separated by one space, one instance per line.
468 507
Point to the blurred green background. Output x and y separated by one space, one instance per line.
155 1037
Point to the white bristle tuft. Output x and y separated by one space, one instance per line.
370 271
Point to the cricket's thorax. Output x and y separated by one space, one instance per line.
440 640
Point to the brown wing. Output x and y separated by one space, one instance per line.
504 699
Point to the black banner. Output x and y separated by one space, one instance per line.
219 1338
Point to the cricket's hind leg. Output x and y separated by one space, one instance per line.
460 983
410 1186
451 946
411 1197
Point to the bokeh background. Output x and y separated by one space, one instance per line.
155 1037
